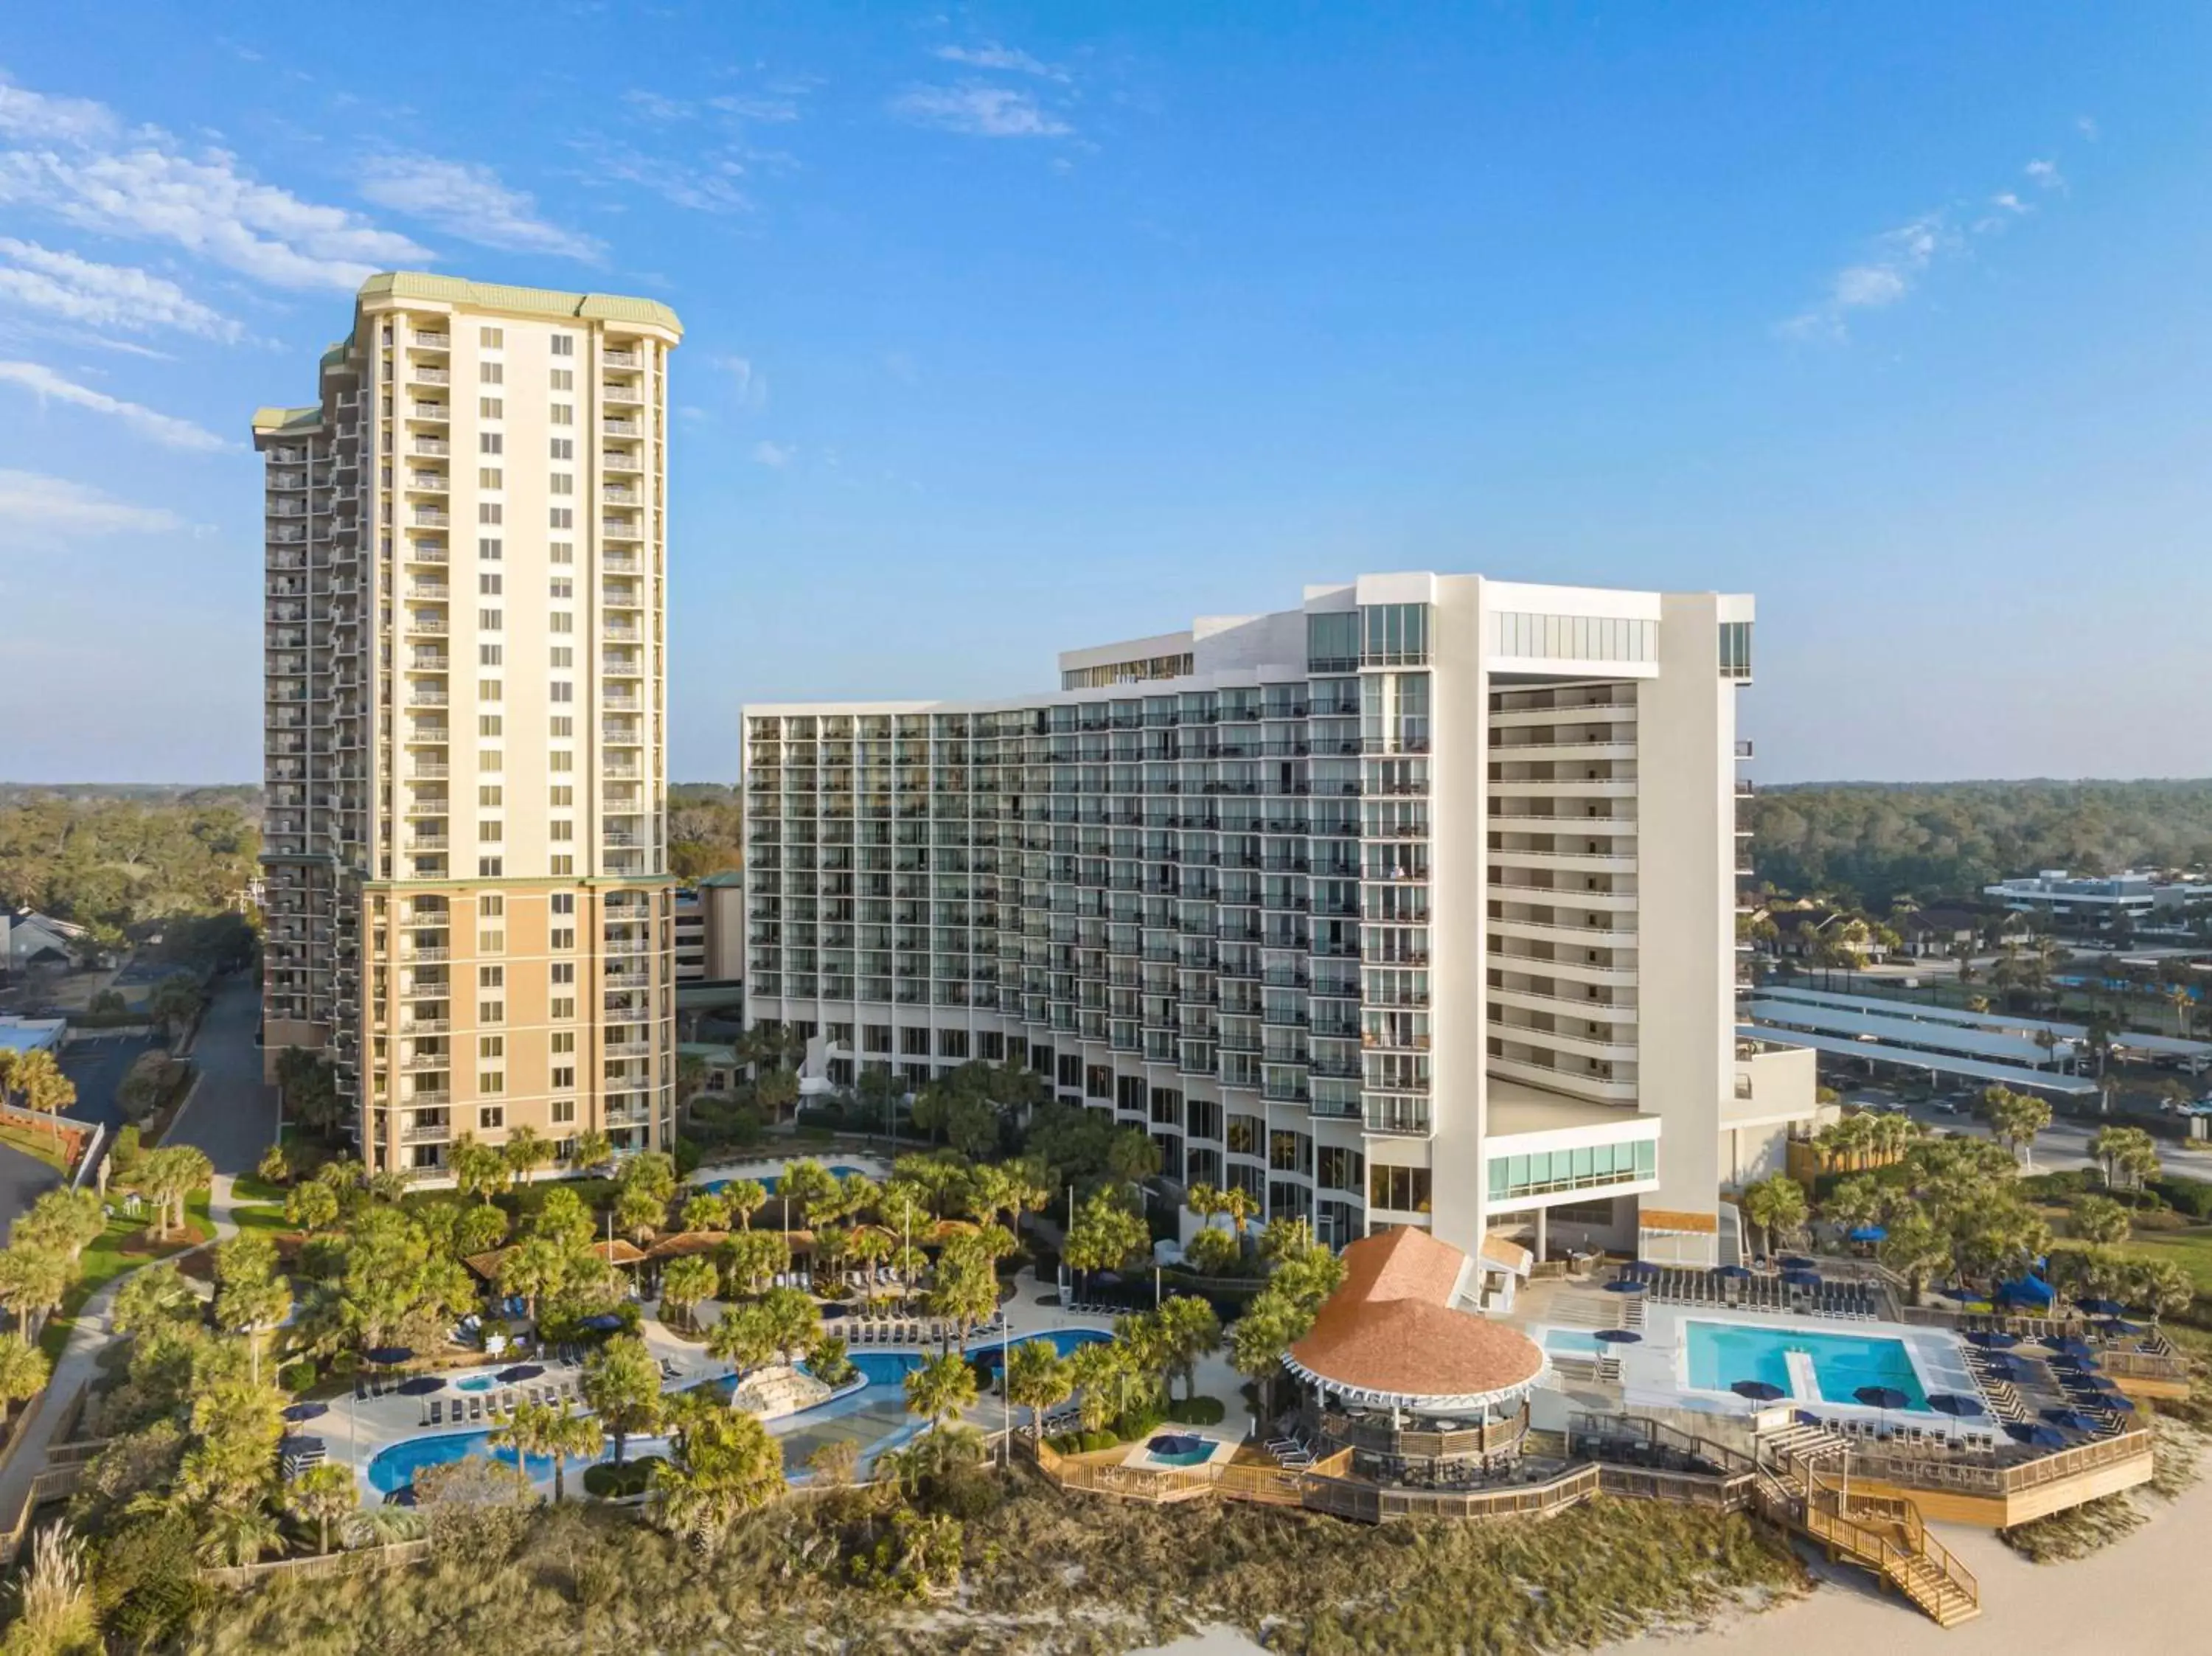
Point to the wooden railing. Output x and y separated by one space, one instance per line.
53 1484
1997 1482
1377 1438
1882 1533
392 1556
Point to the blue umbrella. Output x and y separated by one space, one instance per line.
386 1356
1619 1335
307 1410
2071 1347
1869 1234
1802 1279
1733 1272
2095 1383
2101 1308
2004 1369
2113 1328
521 1371
1625 1285
421 1386
1758 1391
2116 1404
1881 1397
2072 1419
2035 1435
607 1322
1950 1403
1798 1262
1992 1339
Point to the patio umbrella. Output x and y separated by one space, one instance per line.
2113 1328
386 1356
1951 1402
2095 1383
1882 1398
1798 1262
405 1497
1869 1234
421 1386
521 1371
1992 1339
1625 1285
2004 1369
607 1322
2101 1308
307 1410
1619 1335
1802 1279
1733 1273
2116 1404
1756 1391
2035 1435
2072 1419
2071 1347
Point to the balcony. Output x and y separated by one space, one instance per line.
439 412
624 360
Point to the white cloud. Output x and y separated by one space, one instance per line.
982 112
28 114
2045 175
163 428
2087 126
97 295
766 107
751 383
468 200
992 55
31 501
699 183
657 106
775 456
2009 202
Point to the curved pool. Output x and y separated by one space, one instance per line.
394 1466
768 1182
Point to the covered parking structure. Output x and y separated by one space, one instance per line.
1992 1046
2198 1053
1935 1064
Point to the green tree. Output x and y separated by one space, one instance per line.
749 1259
479 1170
174 1003
622 1382
964 1287
592 1149
744 1338
745 1198
1094 1370
33 1282
804 1186
2101 1222
36 1078
1037 1380
525 1151
153 1297
66 1221
2015 1119
685 1284
538 1430
1775 1206
705 1210
1107 1234
169 1176
320 1494
942 1389
640 1212
24 1369
2128 1155
310 1207
726 1466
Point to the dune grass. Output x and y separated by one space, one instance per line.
1044 1573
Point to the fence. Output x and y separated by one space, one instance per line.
392 1555
1998 1482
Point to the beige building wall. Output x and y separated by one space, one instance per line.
484 781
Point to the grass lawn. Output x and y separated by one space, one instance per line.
2190 1249
105 1261
262 1218
252 1188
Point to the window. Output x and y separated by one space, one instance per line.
561 552
491 478
564 448
564 1080
561 865
488 724
559 830
560 1007
491 338
560 797
564 1109
491 942
492 1117
487 584
562 1041
561 414
1735 649
561 589
564 345
490 906
564 727
1333 642
561 658
561 622
564 936
490 621
489 868
489 833
488 512
1397 635
488 759
562 902
563 691
561 482
564 379
488 655
487 690
562 761
491 1046
562 517
489 796
491 1011
490 373
1403 1190
489 547
491 442
563 974
1587 638
491 407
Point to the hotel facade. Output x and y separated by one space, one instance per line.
467 899
1413 905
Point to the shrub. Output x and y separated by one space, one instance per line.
1197 1411
688 1157
1140 1422
612 1483
2060 1186
2192 1196
296 1376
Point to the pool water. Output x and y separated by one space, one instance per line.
395 1466
768 1182
1720 1354
1571 1342
479 1383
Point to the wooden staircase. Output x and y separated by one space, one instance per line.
1883 1534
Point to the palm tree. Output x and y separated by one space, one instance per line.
2129 1157
539 1430
2015 1119
1037 1380
321 1493
745 1198
685 1284
525 1151
869 1247
705 1210
239 1533
33 1282
36 1078
942 1389
1775 1204
1094 1370
24 1369
725 1464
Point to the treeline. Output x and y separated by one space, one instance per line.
705 829
114 864
1871 843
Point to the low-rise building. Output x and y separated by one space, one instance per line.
2097 903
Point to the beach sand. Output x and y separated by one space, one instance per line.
2138 1595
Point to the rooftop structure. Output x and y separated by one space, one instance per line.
32 1034
2096 900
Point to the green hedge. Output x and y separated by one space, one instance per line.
2191 1195
1197 1411
611 1483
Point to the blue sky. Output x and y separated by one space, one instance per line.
1011 329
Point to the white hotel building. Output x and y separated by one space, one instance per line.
1414 904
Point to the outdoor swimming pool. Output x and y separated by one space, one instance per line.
475 1383
1720 1354
768 1182
394 1467
1571 1342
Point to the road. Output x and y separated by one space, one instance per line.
233 1117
